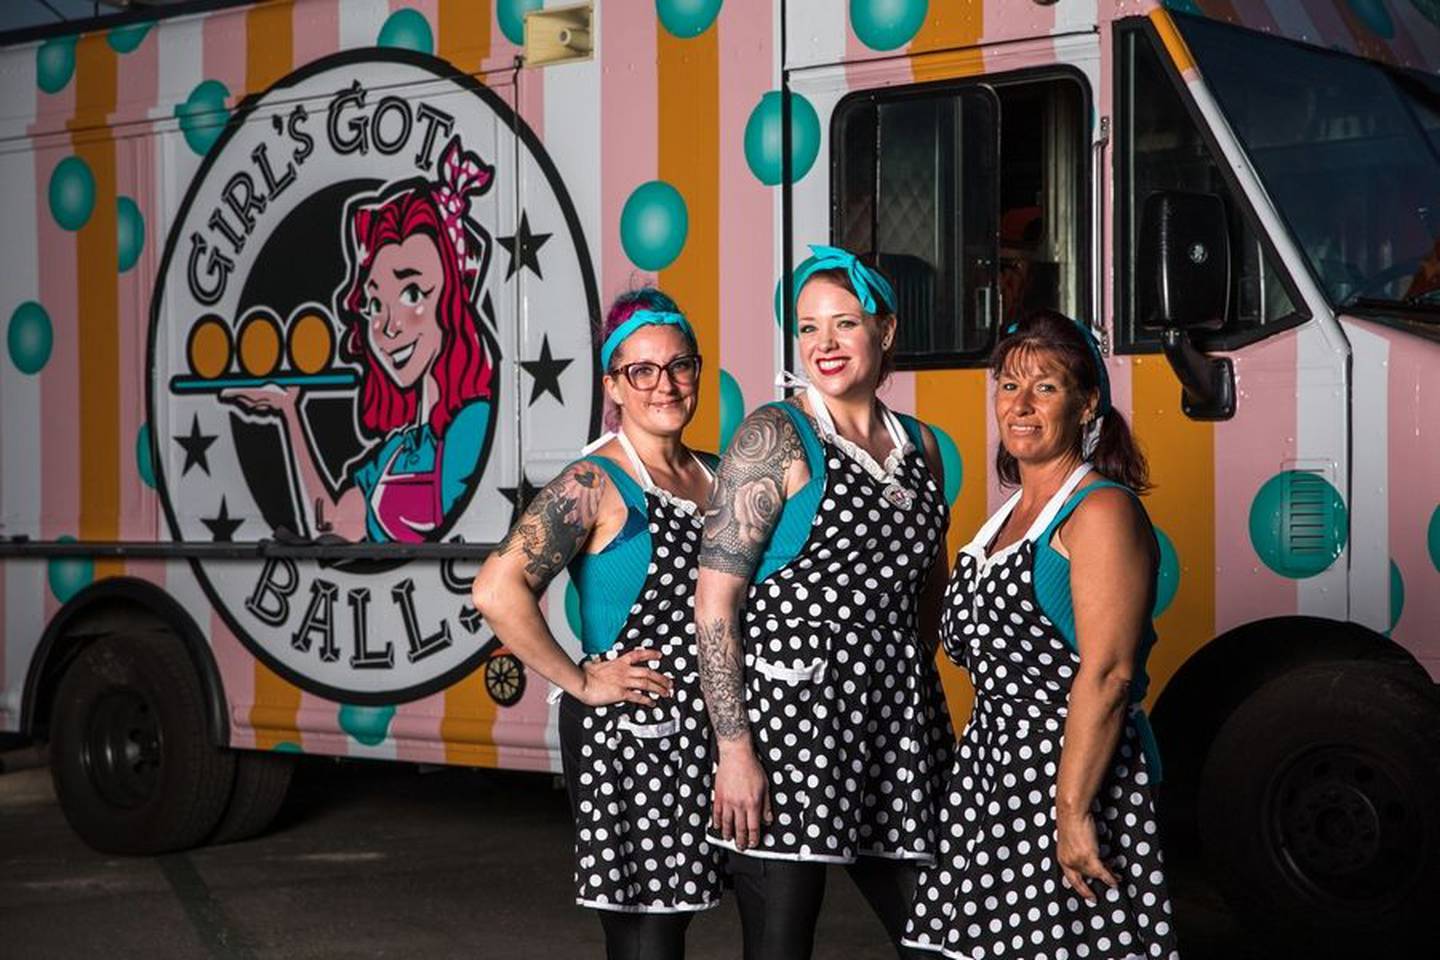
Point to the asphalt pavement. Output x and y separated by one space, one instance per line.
379 860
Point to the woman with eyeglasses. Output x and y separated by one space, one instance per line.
634 738
820 577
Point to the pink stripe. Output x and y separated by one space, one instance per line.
898 393
135 176
59 380
223 50
995 494
237 676
628 150
1248 451
747 228
1421 34
316 30
416 729
1414 468
502 53
1004 17
318 720
525 723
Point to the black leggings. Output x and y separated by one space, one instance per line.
644 936
779 902
628 936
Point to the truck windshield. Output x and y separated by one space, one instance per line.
1348 149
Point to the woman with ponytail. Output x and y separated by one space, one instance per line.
1047 832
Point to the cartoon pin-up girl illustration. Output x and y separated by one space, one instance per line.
416 266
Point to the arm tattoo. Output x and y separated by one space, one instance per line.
557 523
749 493
722 678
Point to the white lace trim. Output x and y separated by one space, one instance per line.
688 507
885 473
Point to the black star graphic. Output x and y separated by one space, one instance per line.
546 372
524 248
519 496
195 444
223 527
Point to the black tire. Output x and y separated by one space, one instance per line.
130 753
262 779
1318 809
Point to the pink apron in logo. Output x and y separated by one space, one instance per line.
407 505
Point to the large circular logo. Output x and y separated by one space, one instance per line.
334 343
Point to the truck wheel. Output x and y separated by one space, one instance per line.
1317 809
261 782
130 751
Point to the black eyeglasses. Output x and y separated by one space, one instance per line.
645 375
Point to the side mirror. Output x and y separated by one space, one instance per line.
1182 284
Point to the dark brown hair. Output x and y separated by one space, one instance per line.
841 278
1117 457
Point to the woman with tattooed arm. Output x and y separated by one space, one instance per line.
634 739
821 572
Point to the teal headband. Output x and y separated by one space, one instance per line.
1092 344
868 282
638 319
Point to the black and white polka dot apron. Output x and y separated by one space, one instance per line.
996 890
843 696
644 781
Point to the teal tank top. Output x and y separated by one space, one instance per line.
609 582
1052 591
798 513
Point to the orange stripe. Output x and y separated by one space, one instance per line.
1181 453
688 83
269 44
468 729
1170 36
273 714
464 38
957 402
953 27
98 302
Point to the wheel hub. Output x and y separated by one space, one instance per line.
1339 816
122 747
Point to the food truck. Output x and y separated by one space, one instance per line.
231 531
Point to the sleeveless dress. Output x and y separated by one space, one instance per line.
996 890
642 784
843 696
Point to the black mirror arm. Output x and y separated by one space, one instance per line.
1207 383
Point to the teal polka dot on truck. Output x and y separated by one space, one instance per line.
687 18
1397 595
203 115
1167 579
653 225
144 456
511 14
764 140
127 39
887 24
287 746
1432 539
407 29
72 193
368 725
1294 501
67 576
55 64
732 407
1374 16
130 232
30 338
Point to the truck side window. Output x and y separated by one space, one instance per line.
972 199
1160 147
